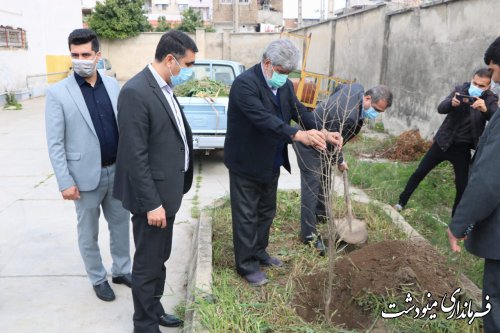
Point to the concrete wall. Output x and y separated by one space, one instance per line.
270 17
420 53
214 46
430 50
358 46
320 50
131 55
247 12
350 47
47 24
247 48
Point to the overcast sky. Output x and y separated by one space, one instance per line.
310 8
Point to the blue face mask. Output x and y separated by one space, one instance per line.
475 91
278 80
370 113
184 75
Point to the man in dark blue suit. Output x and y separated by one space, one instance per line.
262 103
477 216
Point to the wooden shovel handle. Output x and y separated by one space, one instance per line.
347 198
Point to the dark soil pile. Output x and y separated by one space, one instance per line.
375 268
409 146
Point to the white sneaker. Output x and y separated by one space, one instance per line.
398 207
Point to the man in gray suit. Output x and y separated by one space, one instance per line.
345 111
477 216
154 168
82 137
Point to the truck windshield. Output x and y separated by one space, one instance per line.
221 73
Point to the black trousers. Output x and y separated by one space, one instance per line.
458 155
491 287
152 249
253 207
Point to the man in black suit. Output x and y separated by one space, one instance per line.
154 168
262 103
477 216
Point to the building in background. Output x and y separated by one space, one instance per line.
270 15
171 10
312 12
252 15
88 6
204 7
34 44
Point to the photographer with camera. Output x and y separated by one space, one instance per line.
468 108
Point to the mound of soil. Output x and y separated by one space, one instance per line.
377 268
409 146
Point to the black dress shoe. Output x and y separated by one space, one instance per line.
123 279
321 219
320 246
169 320
317 243
104 292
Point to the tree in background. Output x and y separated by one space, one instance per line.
119 19
191 19
162 24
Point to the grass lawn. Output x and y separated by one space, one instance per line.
429 209
236 307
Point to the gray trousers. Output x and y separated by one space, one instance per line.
311 188
88 210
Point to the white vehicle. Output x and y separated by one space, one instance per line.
208 116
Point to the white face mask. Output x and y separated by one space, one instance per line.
84 68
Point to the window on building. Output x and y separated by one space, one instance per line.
10 37
183 7
162 6
229 2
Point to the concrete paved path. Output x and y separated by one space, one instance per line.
43 285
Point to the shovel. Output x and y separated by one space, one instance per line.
351 230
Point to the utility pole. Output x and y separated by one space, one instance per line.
236 16
299 20
331 9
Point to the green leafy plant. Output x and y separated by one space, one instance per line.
11 102
210 28
119 19
202 88
191 19
162 24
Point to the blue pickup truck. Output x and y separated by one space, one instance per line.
207 116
